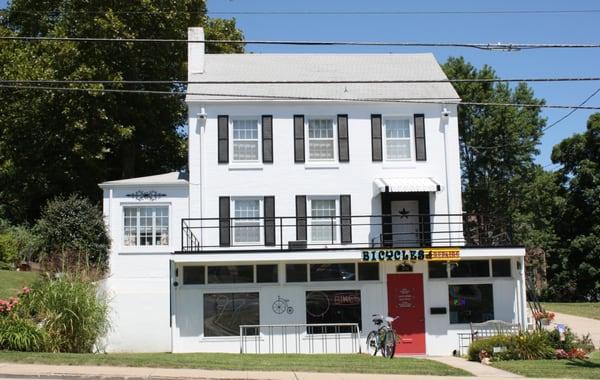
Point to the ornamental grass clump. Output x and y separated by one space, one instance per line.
63 314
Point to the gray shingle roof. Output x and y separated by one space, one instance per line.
173 178
322 67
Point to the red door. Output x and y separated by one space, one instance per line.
405 300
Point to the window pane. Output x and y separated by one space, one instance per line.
150 223
397 149
230 274
471 303
296 273
368 271
333 272
320 128
323 229
470 268
320 149
266 273
146 225
162 226
338 306
501 268
397 128
193 275
225 312
437 269
246 230
245 140
130 226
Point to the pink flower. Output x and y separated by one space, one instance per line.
26 290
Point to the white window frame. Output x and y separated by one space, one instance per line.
138 237
232 140
336 229
334 138
261 236
411 138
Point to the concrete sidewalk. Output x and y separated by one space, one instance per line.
10 370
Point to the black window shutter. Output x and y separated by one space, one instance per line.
420 149
267 138
269 211
298 138
346 219
343 148
376 152
223 138
224 222
300 217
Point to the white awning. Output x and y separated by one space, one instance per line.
407 185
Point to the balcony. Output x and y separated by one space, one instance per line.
290 233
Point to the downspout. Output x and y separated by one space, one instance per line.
446 123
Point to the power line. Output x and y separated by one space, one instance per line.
319 13
499 46
572 111
408 81
281 97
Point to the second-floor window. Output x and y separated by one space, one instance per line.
246 222
245 141
146 225
321 140
322 221
397 143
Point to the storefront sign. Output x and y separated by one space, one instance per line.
427 254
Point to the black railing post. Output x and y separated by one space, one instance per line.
183 245
332 237
281 233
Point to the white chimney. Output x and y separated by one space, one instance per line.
195 51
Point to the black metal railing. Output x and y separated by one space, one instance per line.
342 232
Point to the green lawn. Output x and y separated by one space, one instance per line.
571 369
11 282
303 363
582 309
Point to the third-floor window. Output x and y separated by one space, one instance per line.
321 140
397 143
245 140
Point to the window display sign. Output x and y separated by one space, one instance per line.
414 254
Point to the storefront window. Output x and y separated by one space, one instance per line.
225 312
296 273
437 269
368 271
266 273
501 268
333 272
230 274
337 306
193 275
470 268
471 303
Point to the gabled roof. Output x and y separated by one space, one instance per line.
321 67
173 178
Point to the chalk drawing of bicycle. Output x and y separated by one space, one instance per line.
281 305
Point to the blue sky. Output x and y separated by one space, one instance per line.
523 28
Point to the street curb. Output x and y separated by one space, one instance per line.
70 376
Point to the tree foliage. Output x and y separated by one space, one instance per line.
60 142
574 270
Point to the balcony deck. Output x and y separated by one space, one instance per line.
290 233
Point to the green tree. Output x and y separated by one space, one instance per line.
60 142
72 235
574 270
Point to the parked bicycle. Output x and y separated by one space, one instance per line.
384 338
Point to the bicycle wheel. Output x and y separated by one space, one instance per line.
389 344
372 343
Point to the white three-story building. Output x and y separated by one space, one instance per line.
321 198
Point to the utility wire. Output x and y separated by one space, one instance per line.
572 111
499 46
409 81
318 13
280 97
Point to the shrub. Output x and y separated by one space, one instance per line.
19 334
487 345
70 312
523 346
17 244
73 233
570 341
